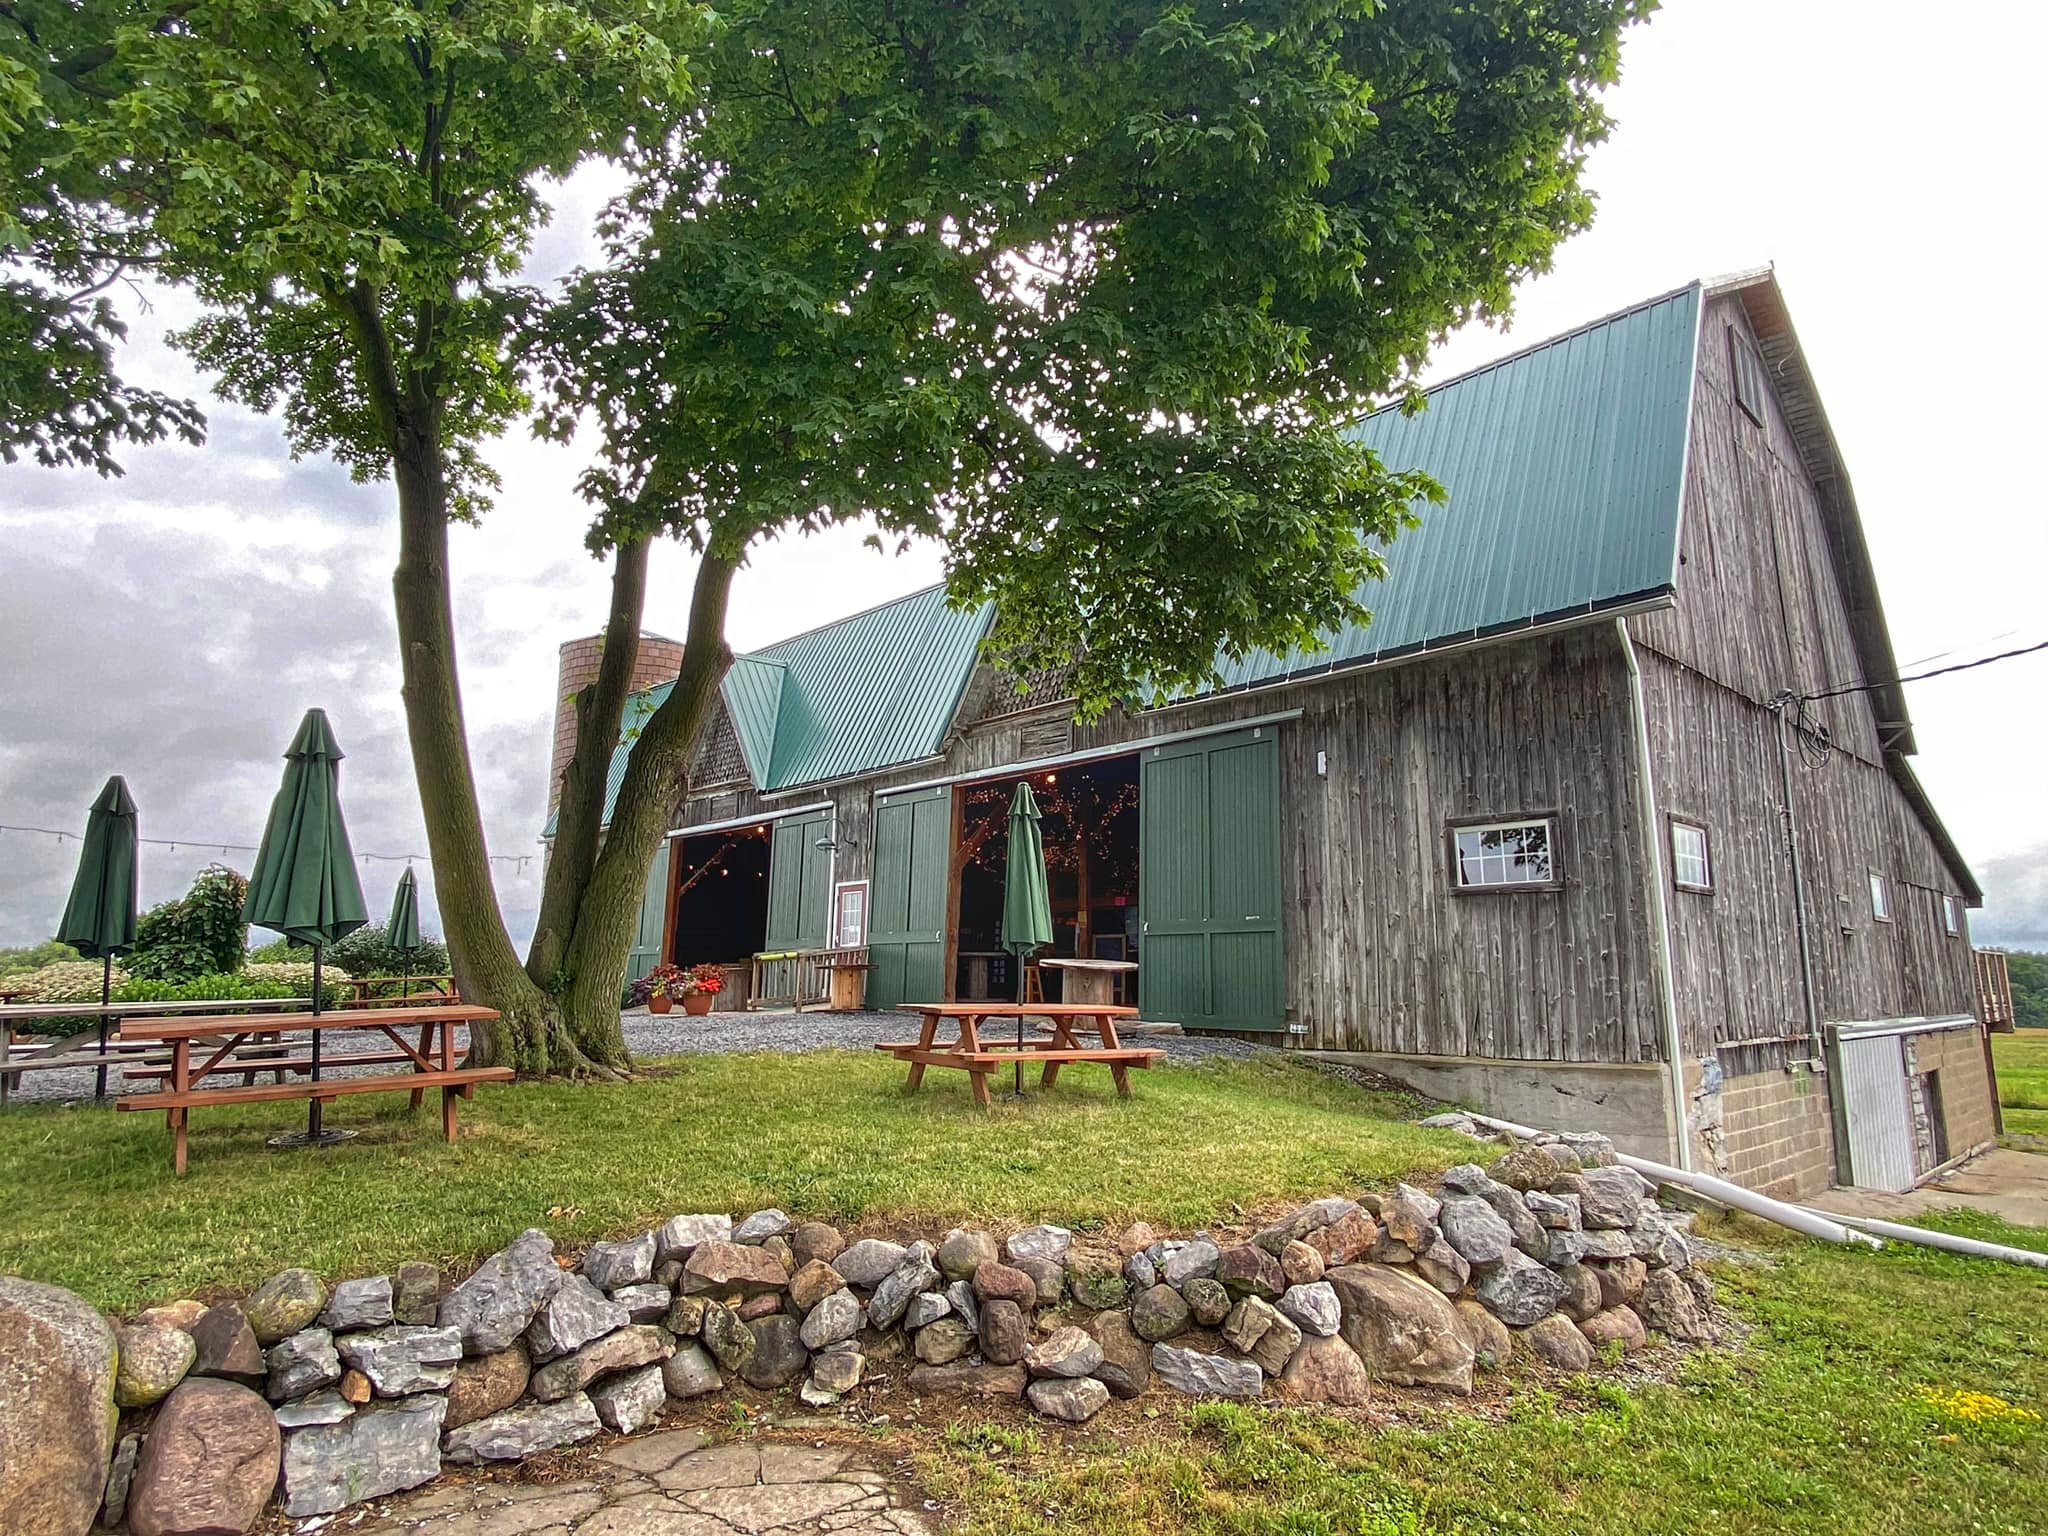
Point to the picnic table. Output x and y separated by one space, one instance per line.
970 1053
432 989
429 1060
85 1048
1090 981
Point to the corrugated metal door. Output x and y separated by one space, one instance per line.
1874 1094
907 931
799 883
646 951
1210 942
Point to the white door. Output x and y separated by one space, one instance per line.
1880 1112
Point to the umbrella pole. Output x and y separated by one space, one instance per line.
106 995
313 1108
1020 1028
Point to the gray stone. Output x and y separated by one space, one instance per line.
401 1361
964 1251
1326 1370
1048 1279
577 1313
1208 1302
1140 1273
1558 1213
1606 1243
1005 1332
1565 1248
1160 1313
1402 1327
1475 1230
945 1340
832 1321
838 1370
779 1355
120 1476
1195 1259
208 1464
1312 1308
1312 1217
1410 1216
1519 1291
303 1363
680 1236
609 1266
1524 1168
1200 1375
487 1384
328 1407
357 1304
1594 1150
225 1345
761 1226
1039 1242
926 1307
1443 1267
384 1448
284 1304
523 1431
495 1305
892 1297
1508 1204
1556 1340
1126 1367
640 1344
1669 1306
154 1359
1465 1178
960 1297
1074 1401
962 1379
1613 1198
631 1401
415 1292
1064 1352
730 1341
870 1261
647 1303
1659 1243
690 1372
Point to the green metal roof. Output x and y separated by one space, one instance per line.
1564 466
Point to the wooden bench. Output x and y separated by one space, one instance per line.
1062 1047
432 1061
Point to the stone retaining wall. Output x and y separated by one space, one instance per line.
332 1394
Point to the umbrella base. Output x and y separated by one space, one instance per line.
325 1137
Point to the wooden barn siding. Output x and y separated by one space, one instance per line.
1380 955
1759 611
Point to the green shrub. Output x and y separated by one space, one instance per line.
236 988
365 953
34 957
67 981
279 950
199 934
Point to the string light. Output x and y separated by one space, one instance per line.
521 860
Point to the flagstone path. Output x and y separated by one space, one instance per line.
671 1483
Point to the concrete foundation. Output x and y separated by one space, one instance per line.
1631 1104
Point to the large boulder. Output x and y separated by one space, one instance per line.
1519 1291
727 1269
520 1432
495 1305
154 1359
208 1465
1488 1335
779 1355
1612 1198
1476 1230
284 1304
1327 1370
487 1384
57 1367
964 1251
1402 1328
1126 1367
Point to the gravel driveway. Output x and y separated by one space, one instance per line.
674 1034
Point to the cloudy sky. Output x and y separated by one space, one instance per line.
173 625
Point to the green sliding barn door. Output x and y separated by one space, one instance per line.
1210 946
907 936
646 953
799 883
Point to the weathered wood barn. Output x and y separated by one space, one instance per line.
1606 819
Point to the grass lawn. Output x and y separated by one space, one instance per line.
1823 1424
91 1203
2022 1062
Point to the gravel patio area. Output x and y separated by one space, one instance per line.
677 1034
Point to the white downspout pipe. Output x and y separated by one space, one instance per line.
1949 1241
1660 935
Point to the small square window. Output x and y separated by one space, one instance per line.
1691 868
1503 855
1951 917
1880 897
1752 391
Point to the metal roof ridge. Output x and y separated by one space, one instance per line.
761 654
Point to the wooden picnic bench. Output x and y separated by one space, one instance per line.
431 1059
979 1058
85 1048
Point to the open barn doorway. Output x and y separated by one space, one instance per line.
721 903
1089 820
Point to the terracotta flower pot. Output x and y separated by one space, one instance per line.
660 1002
697 1004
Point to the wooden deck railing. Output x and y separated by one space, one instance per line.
798 978
1994 992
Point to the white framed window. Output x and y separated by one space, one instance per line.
850 914
1692 868
1518 855
1880 897
1951 917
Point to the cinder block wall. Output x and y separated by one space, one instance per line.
1777 1132
1966 1088
658 660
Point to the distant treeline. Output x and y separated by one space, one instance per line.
2029 988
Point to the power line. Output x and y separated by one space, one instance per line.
1921 677
202 844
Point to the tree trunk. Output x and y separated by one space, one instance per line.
649 799
579 818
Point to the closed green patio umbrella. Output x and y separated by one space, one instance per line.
402 930
1027 908
304 885
99 919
